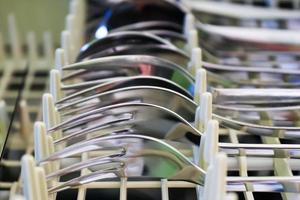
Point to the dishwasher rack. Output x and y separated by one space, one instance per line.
27 69
65 55
71 42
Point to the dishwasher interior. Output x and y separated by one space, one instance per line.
238 88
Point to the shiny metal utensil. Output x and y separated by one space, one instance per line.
276 97
120 13
267 71
139 152
167 30
264 76
114 67
232 14
144 94
124 66
85 90
281 116
123 39
161 51
249 105
151 25
88 71
150 119
252 38
136 158
271 44
281 112
258 58
253 128
278 117
106 158
265 130
179 40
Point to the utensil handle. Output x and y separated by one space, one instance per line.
264 184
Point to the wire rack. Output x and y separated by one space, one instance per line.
25 68
35 85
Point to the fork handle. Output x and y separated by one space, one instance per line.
264 184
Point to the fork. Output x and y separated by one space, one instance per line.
129 65
149 120
185 107
136 161
90 90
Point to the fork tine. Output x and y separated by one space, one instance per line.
104 162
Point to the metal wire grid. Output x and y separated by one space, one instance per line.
281 165
17 65
20 141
